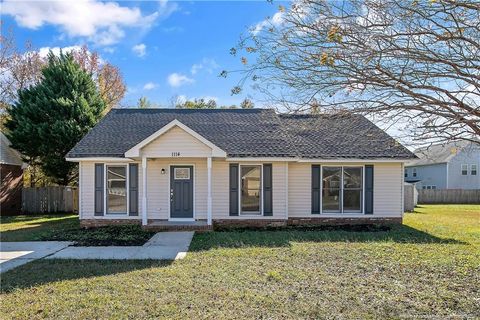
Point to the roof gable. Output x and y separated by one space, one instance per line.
165 130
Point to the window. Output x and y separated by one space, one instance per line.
406 173
331 181
181 173
414 172
352 189
342 189
473 169
116 189
424 187
464 169
434 187
250 179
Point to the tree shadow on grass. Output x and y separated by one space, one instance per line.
69 229
282 237
34 228
47 271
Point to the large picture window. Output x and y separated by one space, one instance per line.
342 189
250 179
116 189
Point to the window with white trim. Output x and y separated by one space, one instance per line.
464 169
406 173
342 189
473 169
250 189
116 189
414 172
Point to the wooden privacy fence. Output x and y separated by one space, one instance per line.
426 196
49 200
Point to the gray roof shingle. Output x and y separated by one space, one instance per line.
246 133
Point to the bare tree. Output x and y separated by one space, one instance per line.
19 70
415 63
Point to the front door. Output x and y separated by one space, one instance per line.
181 192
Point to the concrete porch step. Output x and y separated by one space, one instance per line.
163 225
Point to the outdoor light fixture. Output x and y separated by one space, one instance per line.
163 171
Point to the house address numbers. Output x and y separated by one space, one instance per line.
175 154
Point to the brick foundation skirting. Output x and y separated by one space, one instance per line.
342 221
239 223
260 223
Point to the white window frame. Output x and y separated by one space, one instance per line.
462 169
414 172
473 165
127 186
246 214
362 205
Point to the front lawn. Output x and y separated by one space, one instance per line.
67 228
428 268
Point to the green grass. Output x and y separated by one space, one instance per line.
67 228
428 268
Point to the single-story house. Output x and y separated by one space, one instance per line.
183 167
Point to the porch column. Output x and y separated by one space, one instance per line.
209 192
144 193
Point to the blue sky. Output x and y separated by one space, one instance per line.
163 48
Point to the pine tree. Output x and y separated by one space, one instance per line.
51 117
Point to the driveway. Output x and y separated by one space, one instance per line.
14 254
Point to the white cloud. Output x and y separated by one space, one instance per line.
207 64
275 21
150 86
140 50
208 98
43 52
100 22
178 79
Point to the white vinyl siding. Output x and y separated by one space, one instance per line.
387 189
220 191
176 140
387 194
388 179
87 192
158 187
299 190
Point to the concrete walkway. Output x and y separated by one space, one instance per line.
162 246
14 254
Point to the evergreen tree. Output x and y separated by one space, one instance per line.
50 117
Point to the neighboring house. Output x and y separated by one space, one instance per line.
445 166
11 178
163 167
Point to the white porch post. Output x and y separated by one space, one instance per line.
209 188
144 193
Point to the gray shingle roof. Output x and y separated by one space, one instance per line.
246 133
438 153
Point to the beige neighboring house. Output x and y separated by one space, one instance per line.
176 168
11 178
